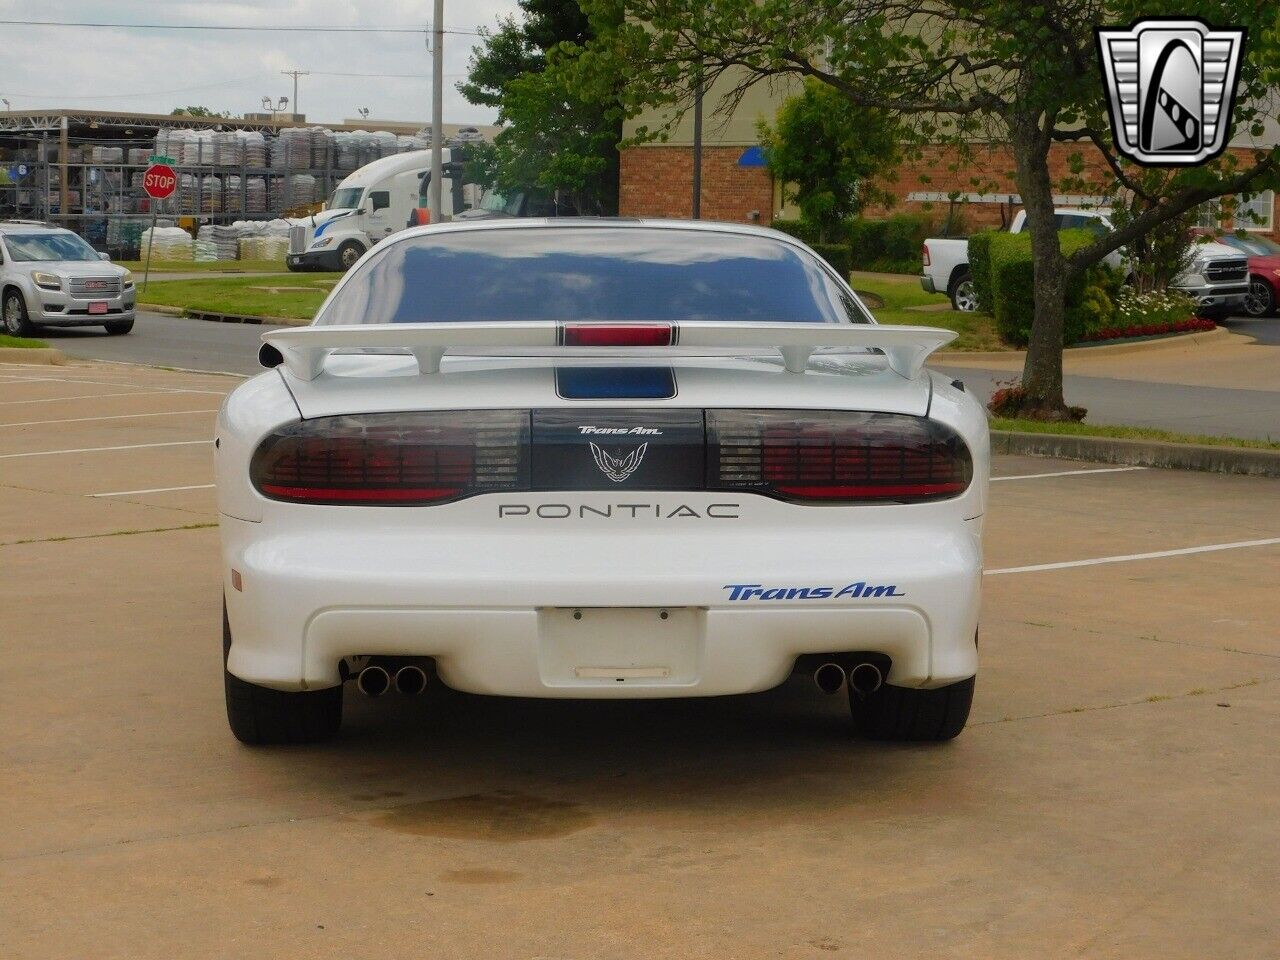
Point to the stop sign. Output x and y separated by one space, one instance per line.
159 181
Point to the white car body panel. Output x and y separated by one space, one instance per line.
488 585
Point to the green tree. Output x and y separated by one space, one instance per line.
197 112
956 74
559 134
829 152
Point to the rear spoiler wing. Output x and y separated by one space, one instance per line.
303 349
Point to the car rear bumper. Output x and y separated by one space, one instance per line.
497 609
926 284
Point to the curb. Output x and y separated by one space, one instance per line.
219 317
1139 453
32 355
1193 339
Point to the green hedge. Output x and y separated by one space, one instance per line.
1090 298
836 254
802 231
980 267
895 241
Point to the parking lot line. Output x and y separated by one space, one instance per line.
118 416
85 396
127 446
112 383
1154 555
126 493
1067 473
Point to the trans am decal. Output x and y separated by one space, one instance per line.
859 590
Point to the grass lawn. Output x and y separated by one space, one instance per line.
219 266
297 295
977 330
1127 433
27 342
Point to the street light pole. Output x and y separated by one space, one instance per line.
437 111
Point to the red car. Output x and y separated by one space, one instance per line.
1264 271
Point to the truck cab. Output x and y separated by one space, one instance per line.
379 199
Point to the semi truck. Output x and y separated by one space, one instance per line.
379 199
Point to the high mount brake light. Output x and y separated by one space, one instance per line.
618 335
836 456
395 458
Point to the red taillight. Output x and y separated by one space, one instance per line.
395 458
924 252
618 334
836 456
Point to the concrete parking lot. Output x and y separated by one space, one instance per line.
1115 794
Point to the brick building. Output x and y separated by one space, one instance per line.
656 180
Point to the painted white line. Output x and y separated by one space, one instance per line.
1154 555
88 396
127 493
113 383
130 446
119 416
1067 473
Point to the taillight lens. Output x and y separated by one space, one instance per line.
618 334
836 456
395 458
924 253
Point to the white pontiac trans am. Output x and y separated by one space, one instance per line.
599 458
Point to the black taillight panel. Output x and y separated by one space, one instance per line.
836 456
395 459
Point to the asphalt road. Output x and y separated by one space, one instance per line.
232 348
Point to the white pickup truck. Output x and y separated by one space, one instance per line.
1218 278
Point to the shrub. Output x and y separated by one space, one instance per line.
801 230
836 254
891 245
1142 309
980 267
1090 298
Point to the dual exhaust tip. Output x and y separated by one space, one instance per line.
375 681
864 679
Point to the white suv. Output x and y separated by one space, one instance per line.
51 277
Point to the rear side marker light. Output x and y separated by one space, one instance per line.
395 459
836 456
618 335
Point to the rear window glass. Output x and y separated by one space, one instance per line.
583 273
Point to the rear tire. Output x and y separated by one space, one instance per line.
901 713
118 328
964 297
16 321
259 715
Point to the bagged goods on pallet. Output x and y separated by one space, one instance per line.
264 247
302 190
100 154
291 150
169 243
138 156
254 148
211 194
232 194
322 147
255 195
204 251
347 149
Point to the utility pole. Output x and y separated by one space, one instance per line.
697 148
295 74
437 112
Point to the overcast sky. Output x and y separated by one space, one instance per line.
153 71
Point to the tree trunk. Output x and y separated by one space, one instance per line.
1042 372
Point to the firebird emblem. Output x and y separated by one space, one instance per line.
618 469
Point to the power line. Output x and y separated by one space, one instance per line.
302 28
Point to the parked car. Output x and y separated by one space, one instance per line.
1218 279
599 459
1264 271
50 277
524 203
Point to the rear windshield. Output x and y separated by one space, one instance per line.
583 273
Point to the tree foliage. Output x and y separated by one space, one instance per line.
559 134
197 112
961 74
829 151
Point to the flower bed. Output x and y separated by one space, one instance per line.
1148 330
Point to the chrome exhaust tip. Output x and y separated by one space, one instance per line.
865 679
829 677
411 681
373 681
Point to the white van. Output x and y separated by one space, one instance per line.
376 201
